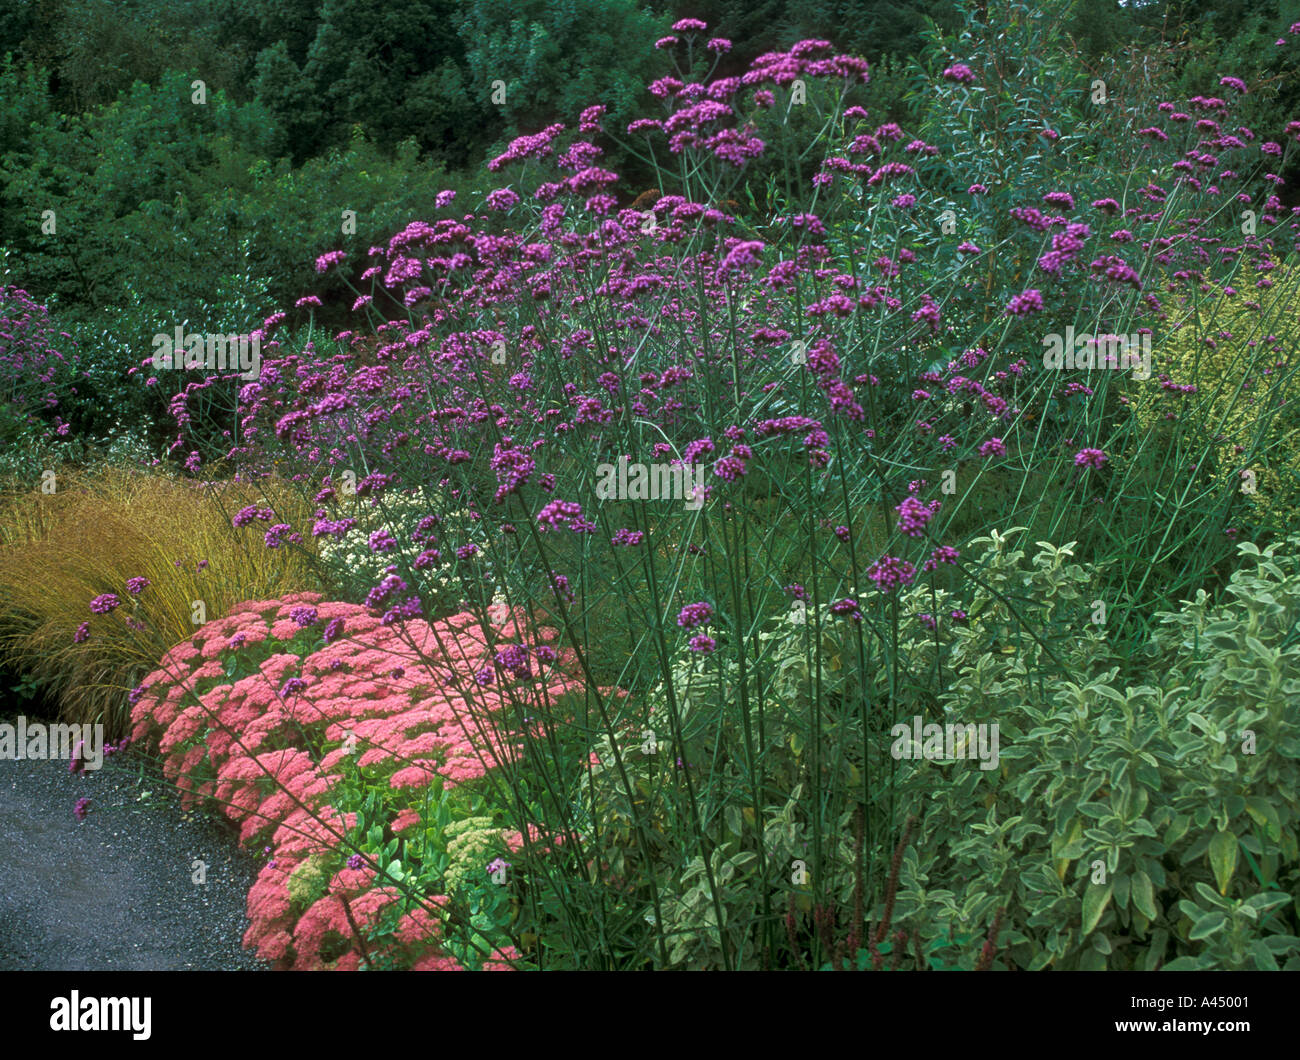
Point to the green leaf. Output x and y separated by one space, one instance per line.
1095 900
1159 939
1207 926
1144 895
1177 829
1263 903
1092 961
1223 859
732 814
1265 814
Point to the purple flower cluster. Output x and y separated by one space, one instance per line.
890 572
942 554
913 517
556 511
515 658
1029 301
105 604
693 615
847 607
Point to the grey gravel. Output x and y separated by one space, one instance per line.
115 892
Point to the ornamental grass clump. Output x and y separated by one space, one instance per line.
103 573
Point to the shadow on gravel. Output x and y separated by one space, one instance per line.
114 892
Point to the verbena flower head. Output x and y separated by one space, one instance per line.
913 517
890 573
847 608
105 603
693 615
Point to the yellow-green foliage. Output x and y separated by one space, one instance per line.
309 880
59 551
1241 351
471 844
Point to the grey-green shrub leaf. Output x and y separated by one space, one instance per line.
1223 858
1143 895
1207 926
1265 814
1095 900
1264 960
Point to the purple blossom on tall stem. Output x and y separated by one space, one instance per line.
105 604
693 615
942 554
847 607
1025 303
891 572
913 517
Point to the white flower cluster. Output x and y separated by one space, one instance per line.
352 561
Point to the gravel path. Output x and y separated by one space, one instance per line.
114 892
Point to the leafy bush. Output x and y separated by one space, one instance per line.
36 379
1139 826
